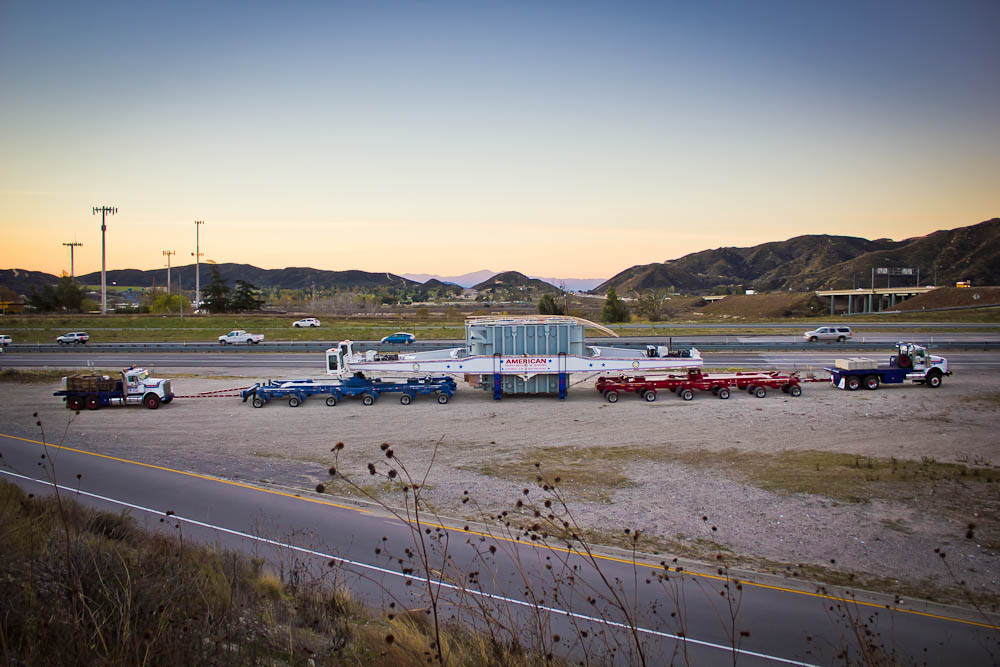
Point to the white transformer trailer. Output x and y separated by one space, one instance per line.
528 355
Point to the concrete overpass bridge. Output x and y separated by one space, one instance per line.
867 300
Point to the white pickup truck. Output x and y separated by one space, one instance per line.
240 336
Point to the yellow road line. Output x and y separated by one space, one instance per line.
188 474
823 596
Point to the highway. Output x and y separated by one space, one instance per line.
523 580
312 363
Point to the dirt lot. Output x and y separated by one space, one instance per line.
839 486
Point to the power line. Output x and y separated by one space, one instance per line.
197 265
72 245
105 211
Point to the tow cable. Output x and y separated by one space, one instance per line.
218 393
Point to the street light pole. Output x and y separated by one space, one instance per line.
71 246
105 211
168 253
197 265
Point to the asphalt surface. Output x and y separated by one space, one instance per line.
523 580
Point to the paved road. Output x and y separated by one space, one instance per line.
785 626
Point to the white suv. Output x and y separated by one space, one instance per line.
74 337
839 334
307 322
5 340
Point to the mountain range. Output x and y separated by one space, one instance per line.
803 263
474 278
821 261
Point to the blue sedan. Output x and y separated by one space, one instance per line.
400 337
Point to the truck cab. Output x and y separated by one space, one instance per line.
916 358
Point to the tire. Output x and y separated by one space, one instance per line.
852 383
368 399
686 394
405 399
723 393
313 325
257 402
813 339
871 382
74 403
760 392
443 398
841 339
934 380
904 361
222 342
62 342
93 403
296 326
294 401
750 389
151 401
612 396
167 399
784 388
331 401
649 395
795 390
78 342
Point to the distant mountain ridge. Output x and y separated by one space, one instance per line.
825 262
516 281
476 277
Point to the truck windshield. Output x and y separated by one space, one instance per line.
141 375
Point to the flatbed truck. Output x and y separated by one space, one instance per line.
135 387
910 363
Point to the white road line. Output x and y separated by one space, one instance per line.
440 583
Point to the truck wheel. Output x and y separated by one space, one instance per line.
293 401
368 399
852 383
871 382
795 390
934 380
93 403
405 399
723 393
257 402
760 392
151 401
612 396
649 395
904 361
443 398
686 394
331 401
750 389
74 403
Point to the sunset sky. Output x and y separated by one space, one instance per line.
569 139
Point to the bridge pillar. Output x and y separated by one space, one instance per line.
849 305
831 304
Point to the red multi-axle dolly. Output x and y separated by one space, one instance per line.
721 384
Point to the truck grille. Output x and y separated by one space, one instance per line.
166 388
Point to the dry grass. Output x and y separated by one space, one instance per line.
84 587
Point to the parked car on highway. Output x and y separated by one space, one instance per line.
839 334
399 337
307 322
238 336
5 340
73 338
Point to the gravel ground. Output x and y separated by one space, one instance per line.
660 488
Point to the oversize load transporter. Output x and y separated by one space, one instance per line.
720 384
516 355
368 390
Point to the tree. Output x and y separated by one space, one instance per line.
651 304
216 295
615 309
547 305
245 297
66 295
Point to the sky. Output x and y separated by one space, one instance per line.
553 138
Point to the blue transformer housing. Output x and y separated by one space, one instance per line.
550 337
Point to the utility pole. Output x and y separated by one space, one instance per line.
197 265
105 211
168 253
72 245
